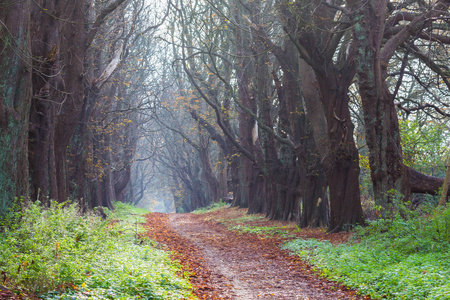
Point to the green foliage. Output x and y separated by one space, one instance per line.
262 230
245 218
127 213
213 206
398 258
424 146
58 254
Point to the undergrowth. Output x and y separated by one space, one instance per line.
245 218
403 257
212 207
55 253
263 230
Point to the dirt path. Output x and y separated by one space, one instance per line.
230 265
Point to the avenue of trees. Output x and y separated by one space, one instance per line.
285 106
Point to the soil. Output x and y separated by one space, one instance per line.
228 264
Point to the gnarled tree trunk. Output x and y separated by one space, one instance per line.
15 100
326 102
381 123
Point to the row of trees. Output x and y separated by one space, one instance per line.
278 87
261 99
67 103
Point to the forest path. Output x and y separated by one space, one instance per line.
227 264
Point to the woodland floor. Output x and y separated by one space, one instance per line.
228 264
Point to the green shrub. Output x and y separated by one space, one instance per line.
398 258
262 230
213 206
58 254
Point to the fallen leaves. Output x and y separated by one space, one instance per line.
255 267
159 229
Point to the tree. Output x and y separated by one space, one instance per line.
15 100
293 122
252 152
323 42
380 32
60 47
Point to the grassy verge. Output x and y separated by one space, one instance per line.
56 254
397 258
212 207
238 220
263 230
403 257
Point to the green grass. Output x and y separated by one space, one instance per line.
128 213
398 258
262 230
57 254
246 218
212 207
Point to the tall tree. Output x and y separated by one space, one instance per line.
321 40
381 29
15 99
312 185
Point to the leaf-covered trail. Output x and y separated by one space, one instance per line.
227 264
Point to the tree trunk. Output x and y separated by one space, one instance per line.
48 87
247 170
380 118
424 184
313 183
223 176
339 156
15 100
388 172
248 173
445 187
342 167
72 54
284 167
230 154
315 206
207 169
326 102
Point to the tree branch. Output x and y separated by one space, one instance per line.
99 21
411 29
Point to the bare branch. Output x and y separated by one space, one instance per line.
100 19
412 28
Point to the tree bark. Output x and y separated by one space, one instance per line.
223 175
381 124
48 87
325 80
342 165
73 54
445 187
207 170
248 179
15 100
326 102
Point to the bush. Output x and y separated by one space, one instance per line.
213 206
398 258
58 254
